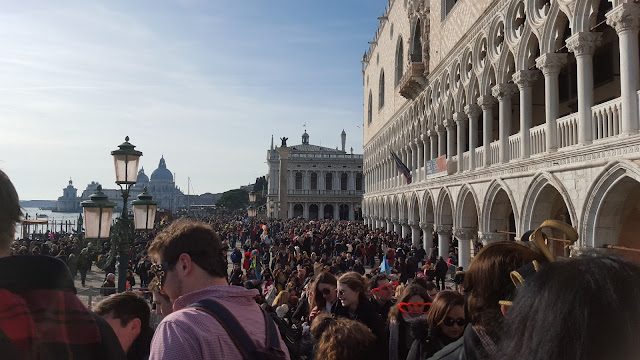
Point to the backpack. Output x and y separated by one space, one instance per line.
234 256
238 334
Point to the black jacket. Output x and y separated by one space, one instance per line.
468 347
441 268
426 341
367 315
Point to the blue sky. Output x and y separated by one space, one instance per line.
204 83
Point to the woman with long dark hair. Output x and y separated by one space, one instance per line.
412 306
583 308
445 323
323 295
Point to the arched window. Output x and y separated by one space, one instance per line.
328 184
314 181
298 181
416 54
381 90
344 181
359 181
370 108
399 61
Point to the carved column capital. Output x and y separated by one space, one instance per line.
487 102
449 124
584 43
525 78
473 111
551 63
432 133
464 233
445 230
504 91
460 118
440 128
488 238
413 224
426 226
624 17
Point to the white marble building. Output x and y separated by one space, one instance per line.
533 103
322 183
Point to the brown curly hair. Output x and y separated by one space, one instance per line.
342 338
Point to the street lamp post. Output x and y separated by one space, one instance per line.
144 211
98 211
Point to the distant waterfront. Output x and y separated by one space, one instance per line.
54 218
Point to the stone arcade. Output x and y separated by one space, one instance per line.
534 103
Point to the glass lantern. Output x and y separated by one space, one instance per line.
126 160
144 211
98 212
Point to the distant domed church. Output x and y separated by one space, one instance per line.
161 186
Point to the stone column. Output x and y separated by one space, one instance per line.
427 154
389 226
433 142
487 102
415 234
473 111
336 211
427 237
396 226
464 236
405 229
525 80
551 64
503 93
305 210
442 144
444 234
583 45
421 147
283 182
461 121
450 125
625 18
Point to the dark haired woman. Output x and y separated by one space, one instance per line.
352 292
412 306
444 324
323 295
583 308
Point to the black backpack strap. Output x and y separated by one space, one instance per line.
236 332
230 324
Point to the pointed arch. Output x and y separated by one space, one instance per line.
444 207
462 218
494 189
537 185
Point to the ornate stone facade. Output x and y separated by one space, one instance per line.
321 183
537 120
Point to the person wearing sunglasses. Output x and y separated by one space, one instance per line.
413 305
382 295
191 269
353 294
324 294
487 282
444 324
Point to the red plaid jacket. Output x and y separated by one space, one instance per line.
42 318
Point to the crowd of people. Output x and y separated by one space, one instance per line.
300 289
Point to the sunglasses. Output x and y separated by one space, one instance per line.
159 270
385 290
326 291
451 321
414 307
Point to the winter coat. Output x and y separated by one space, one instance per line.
426 341
367 315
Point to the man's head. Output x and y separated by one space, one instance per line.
383 292
127 313
432 289
191 257
10 213
111 277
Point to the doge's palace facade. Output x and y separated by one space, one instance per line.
534 105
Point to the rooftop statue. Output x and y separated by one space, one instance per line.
284 141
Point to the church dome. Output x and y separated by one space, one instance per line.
305 137
142 177
162 173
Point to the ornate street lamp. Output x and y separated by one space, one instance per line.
144 211
252 197
98 211
125 160
252 211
